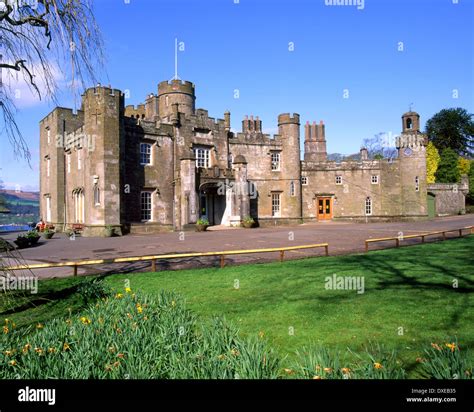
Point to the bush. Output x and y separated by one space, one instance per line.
202 221
136 337
93 289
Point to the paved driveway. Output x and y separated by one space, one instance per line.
342 238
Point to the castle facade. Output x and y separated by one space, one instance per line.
164 164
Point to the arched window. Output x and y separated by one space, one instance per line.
409 123
96 195
79 211
368 206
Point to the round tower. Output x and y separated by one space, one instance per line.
176 92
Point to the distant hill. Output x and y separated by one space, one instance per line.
23 206
18 196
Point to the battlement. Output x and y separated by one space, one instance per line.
65 112
132 111
286 118
176 86
102 91
315 131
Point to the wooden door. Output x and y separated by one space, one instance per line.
324 205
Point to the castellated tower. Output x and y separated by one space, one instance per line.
315 142
103 111
176 92
289 133
411 146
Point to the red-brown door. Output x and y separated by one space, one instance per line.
324 205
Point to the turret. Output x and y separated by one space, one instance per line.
176 92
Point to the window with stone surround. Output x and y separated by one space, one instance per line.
292 189
304 180
145 206
417 184
79 159
145 154
368 206
96 195
338 180
276 204
375 179
48 135
68 161
276 156
202 156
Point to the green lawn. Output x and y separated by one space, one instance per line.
409 288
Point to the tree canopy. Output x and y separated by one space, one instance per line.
452 128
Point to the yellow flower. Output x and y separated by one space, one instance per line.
111 349
420 360
435 346
234 352
128 290
378 365
345 371
327 370
115 364
139 309
7 320
451 346
39 351
85 320
66 346
173 303
261 334
68 321
26 348
12 362
5 329
39 326
51 350
118 296
221 357
8 352
317 367
288 371
317 377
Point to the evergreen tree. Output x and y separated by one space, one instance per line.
448 171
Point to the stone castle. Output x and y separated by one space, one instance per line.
164 164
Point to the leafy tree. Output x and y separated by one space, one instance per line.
38 39
432 162
470 196
448 171
452 128
378 147
464 165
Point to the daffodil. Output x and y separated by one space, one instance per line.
327 370
317 377
128 290
5 329
85 321
345 371
378 365
451 346
12 362
118 296
435 346
39 326
66 346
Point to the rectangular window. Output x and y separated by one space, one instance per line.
276 204
48 166
292 189
417 184
79 159
96 195
375 179
68 159
145 154
275 161
368 206
338 180
48 209
202 157
145 205
48 135
304 180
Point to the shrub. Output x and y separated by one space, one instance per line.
136 337
202 221
93 289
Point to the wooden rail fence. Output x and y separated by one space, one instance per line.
397 239
154 258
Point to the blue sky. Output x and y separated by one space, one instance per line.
245 47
